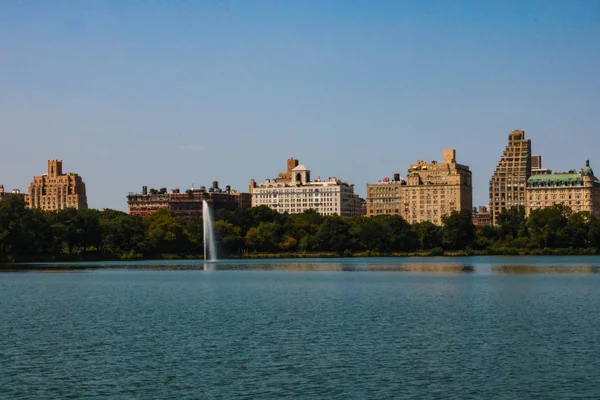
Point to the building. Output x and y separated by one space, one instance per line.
359 205
430 191
509 182
294 192
481 216
187 205
55 190
536 162
536 166
580 191
14 192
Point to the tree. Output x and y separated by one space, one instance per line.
594 233
166 234
122 233
23 232
265 237
228 237
547 226
369 234
333 235
458 231
577 230
400 236
428 235
511 222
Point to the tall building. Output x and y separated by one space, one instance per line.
536 161
536 166
294 192
187 205
579 191
430 191
55 190
509 182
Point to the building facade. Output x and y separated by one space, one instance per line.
56 190
14 192
509 182
294 192
578 191
481 216
536 166
187 205
430 191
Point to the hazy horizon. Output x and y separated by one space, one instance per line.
181 93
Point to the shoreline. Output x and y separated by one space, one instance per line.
294 255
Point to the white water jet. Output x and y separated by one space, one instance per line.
209 233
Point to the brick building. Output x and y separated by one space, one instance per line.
481 216
187 204
14 192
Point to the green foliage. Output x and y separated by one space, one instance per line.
547 226
264 238
166 234
459 231
428 235
511 222
32 234
333 235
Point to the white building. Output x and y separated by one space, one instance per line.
293 192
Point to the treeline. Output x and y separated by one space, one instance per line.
34 235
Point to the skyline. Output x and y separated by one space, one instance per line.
178 94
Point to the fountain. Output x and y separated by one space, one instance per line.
209 233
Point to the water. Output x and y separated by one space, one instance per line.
469 328
209 233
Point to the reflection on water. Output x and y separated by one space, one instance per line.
424 268
547 269
416 265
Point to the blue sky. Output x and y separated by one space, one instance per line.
181 92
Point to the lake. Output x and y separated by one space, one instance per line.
408 328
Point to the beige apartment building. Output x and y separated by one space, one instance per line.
55 190
294 192
430 191
509 182
579 191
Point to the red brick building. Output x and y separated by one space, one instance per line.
188 204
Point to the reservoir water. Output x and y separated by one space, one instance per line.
432 328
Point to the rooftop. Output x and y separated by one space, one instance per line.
300 168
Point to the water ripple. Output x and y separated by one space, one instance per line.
114 334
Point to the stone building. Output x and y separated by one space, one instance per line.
509 182
55 190
294 192
187 205
580 191
430 191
